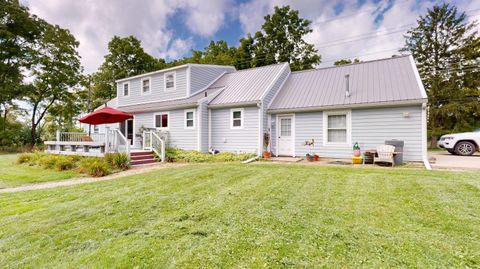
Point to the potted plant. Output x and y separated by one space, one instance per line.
266 141
356 150
315 157
310 156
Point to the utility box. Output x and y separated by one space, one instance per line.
398 144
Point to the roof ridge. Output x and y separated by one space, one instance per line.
343 65
255 68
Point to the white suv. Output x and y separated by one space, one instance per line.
464 144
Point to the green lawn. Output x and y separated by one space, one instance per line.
12 175
257 215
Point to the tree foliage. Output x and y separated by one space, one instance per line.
446 48
346 61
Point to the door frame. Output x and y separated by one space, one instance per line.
132 143
277 133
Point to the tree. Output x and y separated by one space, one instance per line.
126 58
282 40
443 45
346 61
245 52
55 70
216 53
18 30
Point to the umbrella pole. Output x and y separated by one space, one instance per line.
89 129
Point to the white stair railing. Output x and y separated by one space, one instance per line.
158 144
120 143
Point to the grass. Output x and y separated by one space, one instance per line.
12 174
258 215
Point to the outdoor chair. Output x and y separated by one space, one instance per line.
385 154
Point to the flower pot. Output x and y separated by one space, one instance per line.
267 154
315 157
309 157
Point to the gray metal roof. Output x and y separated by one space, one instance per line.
386 80
245 85
191 101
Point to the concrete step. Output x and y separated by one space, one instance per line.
138 162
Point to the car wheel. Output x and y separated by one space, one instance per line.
465 148
452 151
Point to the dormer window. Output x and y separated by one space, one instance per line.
146 86
126 89
170 81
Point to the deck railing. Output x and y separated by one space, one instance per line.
154 142
77 137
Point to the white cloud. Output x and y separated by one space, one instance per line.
206 17
351 24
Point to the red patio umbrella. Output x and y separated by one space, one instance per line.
106 115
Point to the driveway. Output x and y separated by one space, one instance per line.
443 159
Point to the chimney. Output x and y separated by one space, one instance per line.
347 85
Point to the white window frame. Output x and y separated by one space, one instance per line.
174 81
123 89
185 118
149 86
168 120
241 110
348 114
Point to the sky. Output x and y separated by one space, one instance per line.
170 29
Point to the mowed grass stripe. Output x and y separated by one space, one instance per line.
226 215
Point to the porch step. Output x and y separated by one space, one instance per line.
142 157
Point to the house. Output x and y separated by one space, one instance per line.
204 107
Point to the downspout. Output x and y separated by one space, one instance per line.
424 138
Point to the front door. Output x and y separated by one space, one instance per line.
285 139
126 128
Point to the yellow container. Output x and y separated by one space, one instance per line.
357 160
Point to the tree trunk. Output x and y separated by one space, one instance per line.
33 134
433 141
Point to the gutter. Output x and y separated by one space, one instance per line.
343 106
237 104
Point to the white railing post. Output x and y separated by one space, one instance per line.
107 131
143 140
151 140
58 135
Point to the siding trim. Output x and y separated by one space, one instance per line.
260 130
417 77
189 89
274 80
278 133
279 89
325 115
349 106
424 137
199 128
149 86
209 129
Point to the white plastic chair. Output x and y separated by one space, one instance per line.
385 154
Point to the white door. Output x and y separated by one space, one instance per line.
285 139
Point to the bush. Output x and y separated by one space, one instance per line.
120 161
178 155
109 158
25 158
48 161
94 167
65 163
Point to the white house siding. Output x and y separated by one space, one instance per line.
234 140
271 93
203 120
157 91
370 128
178 136
202 76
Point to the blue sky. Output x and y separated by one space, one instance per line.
366 29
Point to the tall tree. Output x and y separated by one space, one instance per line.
346 61
216 53
443 46
245 52
55 70
125 58
18 30
282 40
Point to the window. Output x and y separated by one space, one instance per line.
161 120
170 81
237 118
189 118
286 126
145 85
126 88
337 129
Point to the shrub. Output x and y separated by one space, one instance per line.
94 167
25 158
48 161
109 158
178 155
120 161
65 163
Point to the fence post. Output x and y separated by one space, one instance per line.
58 135
107 132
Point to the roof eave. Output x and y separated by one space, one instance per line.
236 104
344 106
